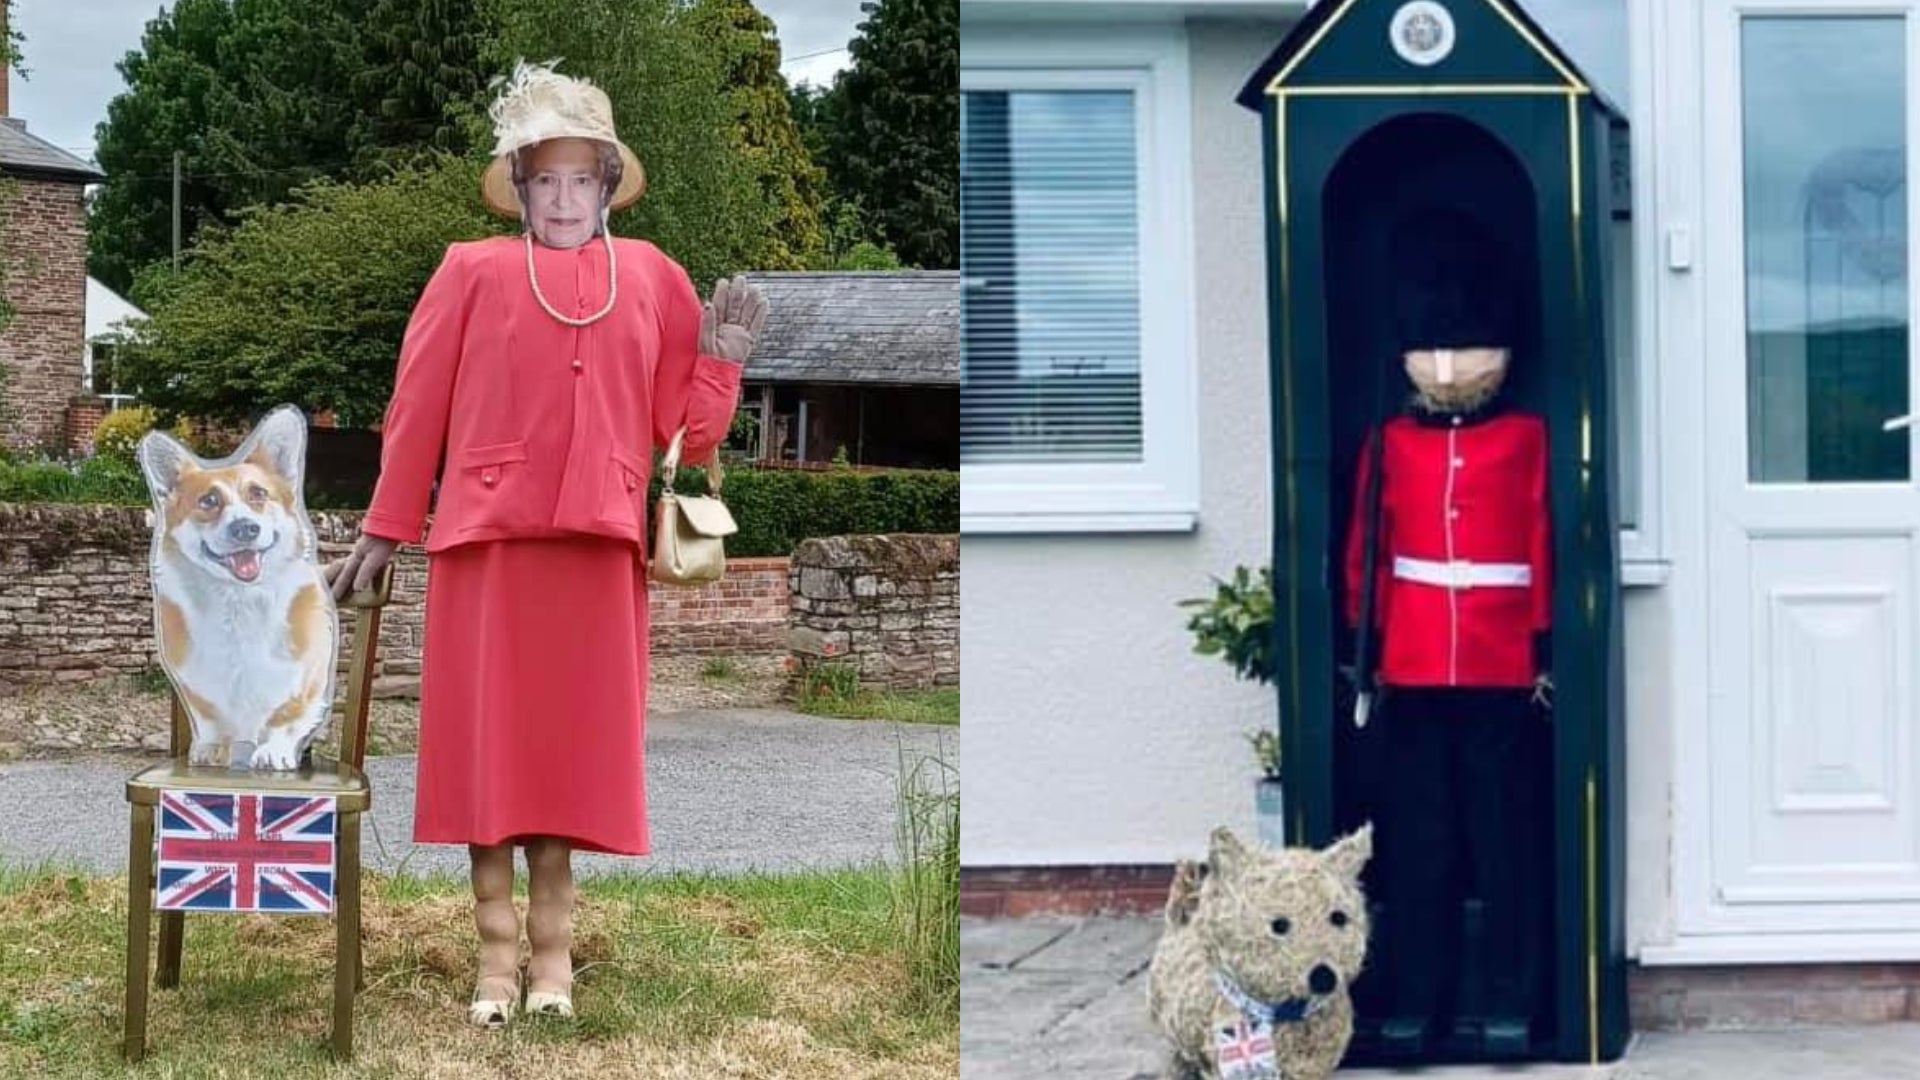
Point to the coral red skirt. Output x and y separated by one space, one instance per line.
533 695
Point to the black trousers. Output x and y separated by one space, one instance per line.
1462 811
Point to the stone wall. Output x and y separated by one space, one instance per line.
891 603
43 238
76 602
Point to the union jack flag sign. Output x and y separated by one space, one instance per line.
229 851
1245 1051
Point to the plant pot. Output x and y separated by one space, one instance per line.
1270 808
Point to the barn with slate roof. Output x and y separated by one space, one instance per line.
867 361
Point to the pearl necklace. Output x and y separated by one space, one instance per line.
613 281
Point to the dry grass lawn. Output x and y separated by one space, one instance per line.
678 977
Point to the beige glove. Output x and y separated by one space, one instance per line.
731 322
361 567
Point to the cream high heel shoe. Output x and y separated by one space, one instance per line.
494 1013
549 1003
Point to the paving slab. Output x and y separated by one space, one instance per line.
1876 1052
1065 998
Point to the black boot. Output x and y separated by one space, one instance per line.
1404 1038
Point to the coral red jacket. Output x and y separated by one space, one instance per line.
534 427
1467 491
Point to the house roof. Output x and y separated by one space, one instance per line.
26 155
894 327
1314 51
106 308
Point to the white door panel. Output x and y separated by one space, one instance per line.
1812 509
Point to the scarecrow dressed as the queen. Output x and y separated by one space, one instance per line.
538 375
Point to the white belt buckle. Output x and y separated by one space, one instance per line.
1460 573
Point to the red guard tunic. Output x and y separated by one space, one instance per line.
1463 574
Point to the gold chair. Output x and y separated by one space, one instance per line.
341 778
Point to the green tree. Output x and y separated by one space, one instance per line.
253 95
853 243
304 302
849 241
262 96
420 81
764 127
703 204
812 109
896 123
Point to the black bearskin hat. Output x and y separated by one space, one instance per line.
1453 286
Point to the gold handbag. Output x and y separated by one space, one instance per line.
689 530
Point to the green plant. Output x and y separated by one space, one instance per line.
926 891
1266 751
778 508
119 433
8 416
744 432
94 480
839 681
1236 623
152 679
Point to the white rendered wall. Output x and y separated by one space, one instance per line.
1092 732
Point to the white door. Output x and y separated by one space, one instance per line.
1813 513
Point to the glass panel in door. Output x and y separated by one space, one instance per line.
1823 118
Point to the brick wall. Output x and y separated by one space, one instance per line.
84 413
745 613
1772 995
43 238
76 602
890 602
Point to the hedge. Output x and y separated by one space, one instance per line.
776 508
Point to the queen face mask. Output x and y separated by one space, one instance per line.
564 195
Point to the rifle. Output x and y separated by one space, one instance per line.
1363 660
1369 557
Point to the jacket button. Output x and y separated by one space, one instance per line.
630 483
489 477
578 367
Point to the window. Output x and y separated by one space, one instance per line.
1077 358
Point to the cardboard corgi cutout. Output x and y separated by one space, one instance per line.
247 630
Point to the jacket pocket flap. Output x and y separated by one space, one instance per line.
628 460
706 515
475 457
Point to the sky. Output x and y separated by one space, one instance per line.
71 50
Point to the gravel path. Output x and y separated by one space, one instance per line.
728 791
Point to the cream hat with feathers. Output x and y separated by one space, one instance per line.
538 104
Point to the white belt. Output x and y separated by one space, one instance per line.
1461 574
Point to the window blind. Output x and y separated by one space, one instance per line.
1050 258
